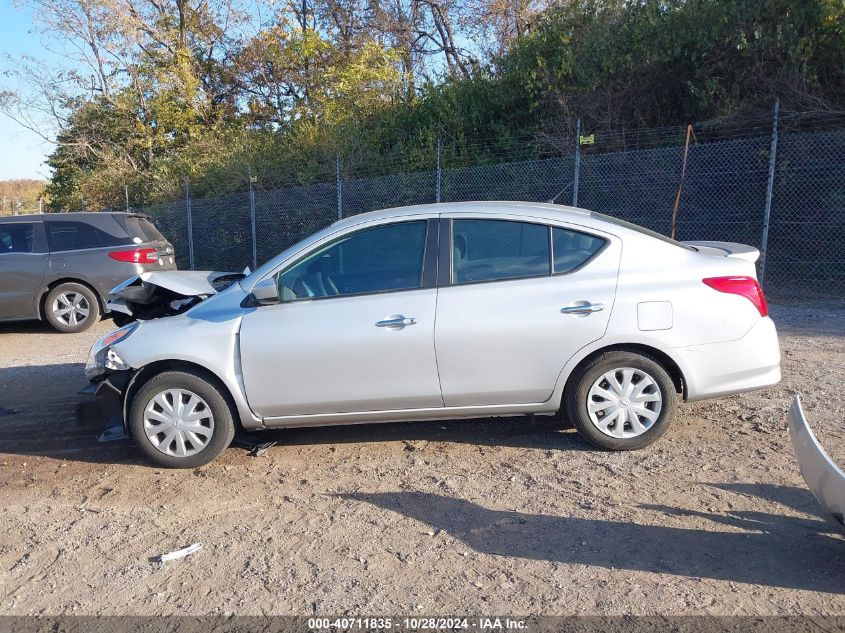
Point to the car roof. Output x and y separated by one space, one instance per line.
498 207
558 211
70 215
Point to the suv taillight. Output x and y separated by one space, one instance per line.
136 256
744 286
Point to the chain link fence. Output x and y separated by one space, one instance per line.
779 187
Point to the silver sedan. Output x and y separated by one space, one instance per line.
441 312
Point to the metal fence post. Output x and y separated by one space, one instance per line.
190 224
252 221
438 173
577 176
339 185
769 189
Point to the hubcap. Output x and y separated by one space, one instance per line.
624 402
178 422
71 308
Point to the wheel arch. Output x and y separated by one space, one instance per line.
156 367
42 298
665 361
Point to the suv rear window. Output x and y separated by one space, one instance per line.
66 235
142 229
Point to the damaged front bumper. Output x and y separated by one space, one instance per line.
111 384
107 408
824 478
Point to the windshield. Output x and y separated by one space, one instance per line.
142 229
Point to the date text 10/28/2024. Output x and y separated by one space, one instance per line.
418 624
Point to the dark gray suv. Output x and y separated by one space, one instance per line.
61 266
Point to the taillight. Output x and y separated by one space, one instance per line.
136 256
743 286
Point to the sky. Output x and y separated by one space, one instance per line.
22 152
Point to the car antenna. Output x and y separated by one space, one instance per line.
557 195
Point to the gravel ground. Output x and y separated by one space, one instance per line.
498 516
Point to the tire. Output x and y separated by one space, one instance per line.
645 413
71 308
211 410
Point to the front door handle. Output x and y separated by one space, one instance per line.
583 308
396 322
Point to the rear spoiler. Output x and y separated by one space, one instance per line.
727 249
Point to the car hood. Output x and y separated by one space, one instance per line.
159 294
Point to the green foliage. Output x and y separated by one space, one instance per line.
292 99
20 196
656 63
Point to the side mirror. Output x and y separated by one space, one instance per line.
265 292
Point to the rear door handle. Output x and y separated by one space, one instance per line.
583 308
397 322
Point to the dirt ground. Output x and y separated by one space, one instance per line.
501 516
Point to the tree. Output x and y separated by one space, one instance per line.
495 25
142 78
20 196
156 91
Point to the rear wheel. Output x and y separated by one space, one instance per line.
621 400
71 307
179 419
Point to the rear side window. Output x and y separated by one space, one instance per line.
16 238
571 249
142 230
487 250
68 236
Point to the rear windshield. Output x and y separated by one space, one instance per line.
640 229
143 229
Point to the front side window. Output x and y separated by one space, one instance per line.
379 259
16 238
572 248
487 250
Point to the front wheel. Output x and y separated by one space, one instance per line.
179 419
621 400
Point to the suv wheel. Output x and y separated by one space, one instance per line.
178 419
621 400
71 307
